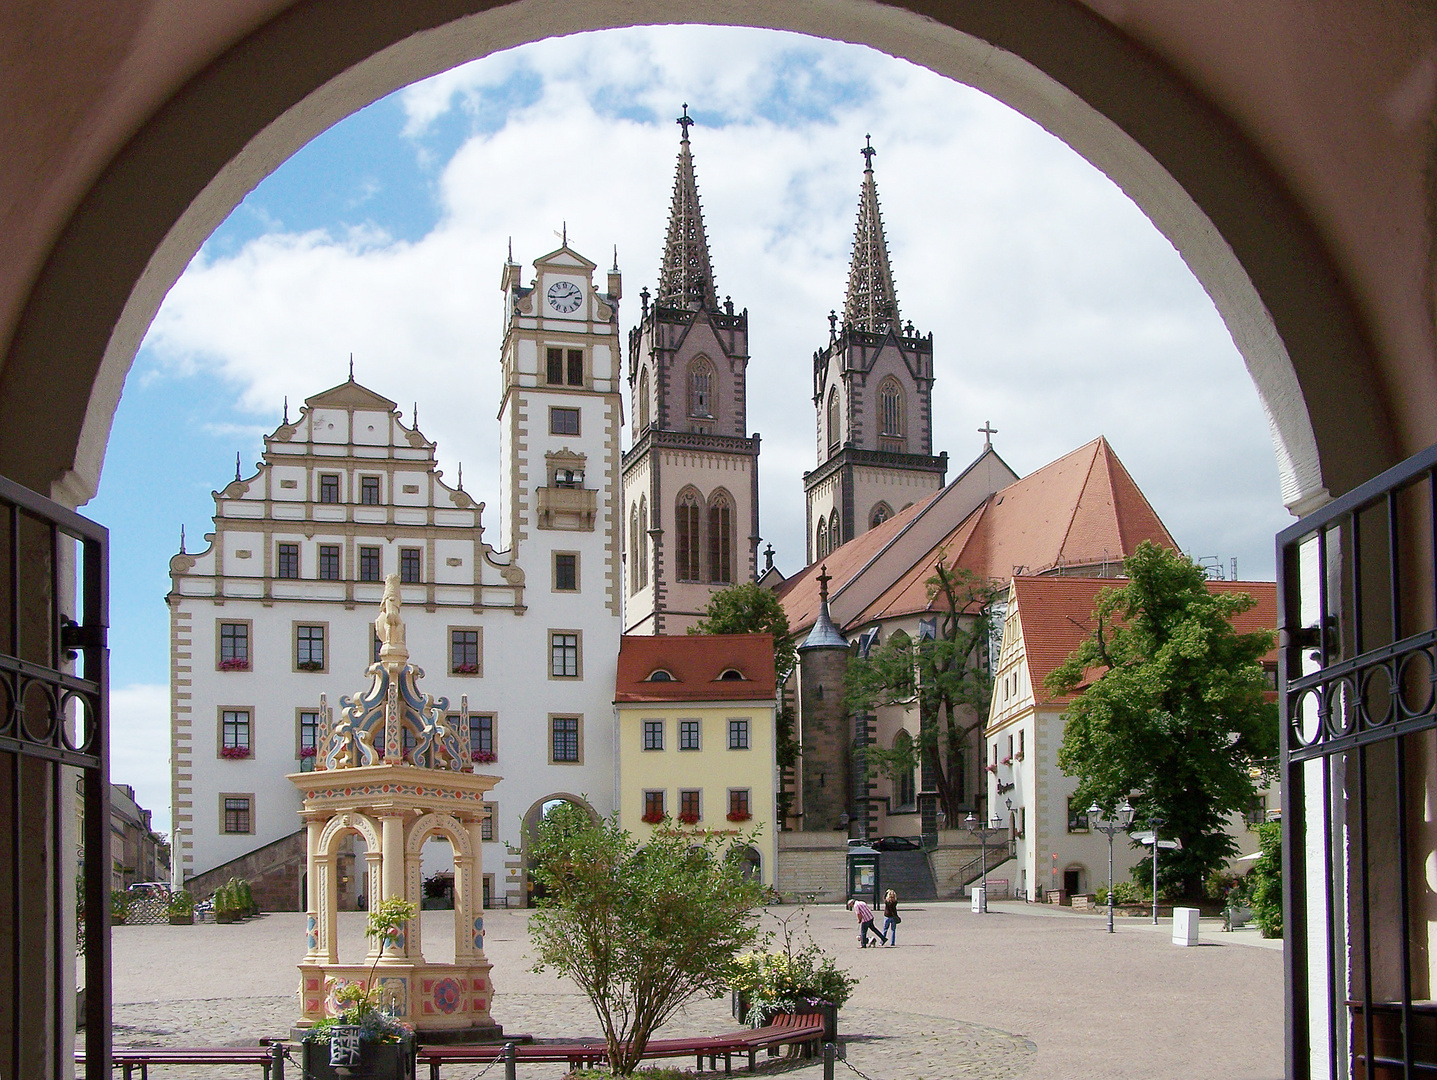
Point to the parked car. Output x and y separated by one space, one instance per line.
897 843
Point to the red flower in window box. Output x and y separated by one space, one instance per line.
652 818
689 819
235 753
234 665
1007 760
309 665
739 816
466 669
484 757
991 768
306 751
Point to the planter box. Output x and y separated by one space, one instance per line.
379 1061
224 916
740 1005
183 920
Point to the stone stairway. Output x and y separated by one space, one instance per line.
908 873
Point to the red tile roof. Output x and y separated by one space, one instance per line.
1056 614
695 661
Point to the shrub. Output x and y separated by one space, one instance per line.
1265 890
119 905
1124 892
181 903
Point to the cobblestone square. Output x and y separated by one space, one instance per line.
1023 991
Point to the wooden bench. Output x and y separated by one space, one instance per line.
803 1031
129 1058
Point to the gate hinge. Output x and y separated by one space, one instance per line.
74 636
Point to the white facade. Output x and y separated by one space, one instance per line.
347 494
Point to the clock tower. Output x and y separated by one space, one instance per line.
872 391
560 421
691 475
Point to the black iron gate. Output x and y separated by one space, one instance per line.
53 742
1358 666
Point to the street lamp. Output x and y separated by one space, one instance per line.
982 832
1111 826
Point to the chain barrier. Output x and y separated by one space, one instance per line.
844 1059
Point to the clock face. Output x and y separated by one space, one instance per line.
565 297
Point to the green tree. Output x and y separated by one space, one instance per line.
641 930
946 677
1175 717
751 608
1265 884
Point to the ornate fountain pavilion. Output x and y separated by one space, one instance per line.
396 770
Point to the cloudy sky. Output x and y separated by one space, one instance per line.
1058 312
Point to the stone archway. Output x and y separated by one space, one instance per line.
265 93
532 817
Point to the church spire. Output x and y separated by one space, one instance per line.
686 279
872 301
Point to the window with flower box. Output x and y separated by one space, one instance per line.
689 812
235 728
308 739
309 647
234 646
464 650
653 807
738 804
481 738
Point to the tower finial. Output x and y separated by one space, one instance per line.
182 540
871 304
686 278
616 259
237 464
415 424
351 367
461 476
511 249
988 431
565 236
286 410
824 577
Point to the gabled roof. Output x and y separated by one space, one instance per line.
696 663
350 395
1056 616
1081 511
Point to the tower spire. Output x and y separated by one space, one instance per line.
872 301
686 278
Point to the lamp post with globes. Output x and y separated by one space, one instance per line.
1110 826
983 832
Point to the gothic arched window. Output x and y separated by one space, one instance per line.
643 409
881 513
686 549
835 538
634 557
820 545
904 790
890 415
721 538
833 420
643 542
701 388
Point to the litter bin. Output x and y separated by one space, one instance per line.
980 899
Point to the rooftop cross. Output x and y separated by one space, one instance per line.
868 153
685 121
824 577
988 431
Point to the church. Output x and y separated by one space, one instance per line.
599 547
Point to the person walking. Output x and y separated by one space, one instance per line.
890 918
865 922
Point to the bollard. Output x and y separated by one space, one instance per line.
276 1060
509 1057
829 1053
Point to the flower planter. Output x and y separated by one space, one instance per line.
378 1061
187 919
224 916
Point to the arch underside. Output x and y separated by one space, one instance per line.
242 115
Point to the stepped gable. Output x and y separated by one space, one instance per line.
1055 615
695 662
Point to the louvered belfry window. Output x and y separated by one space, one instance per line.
720 539
688 539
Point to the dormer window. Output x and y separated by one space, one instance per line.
660 675
731 675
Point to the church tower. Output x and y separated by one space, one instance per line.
690 478
560 419
872 390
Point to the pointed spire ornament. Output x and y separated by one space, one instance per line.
461 476
872 301
286 410
415 424
686 277
351 367
182 540
511 249
237 464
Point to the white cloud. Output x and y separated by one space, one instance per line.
139 746
1058 311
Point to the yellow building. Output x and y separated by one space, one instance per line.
696 718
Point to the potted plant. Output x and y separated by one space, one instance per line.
801 978
364 1041
119 906
247 906
181 908
689 818
224 904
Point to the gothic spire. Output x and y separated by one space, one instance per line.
872 301
686 279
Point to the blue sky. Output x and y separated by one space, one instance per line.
1058 312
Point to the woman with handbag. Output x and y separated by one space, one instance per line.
890 917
